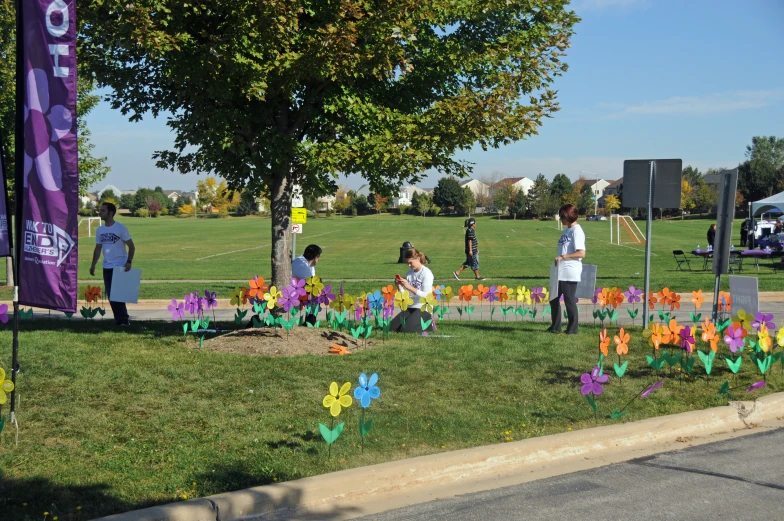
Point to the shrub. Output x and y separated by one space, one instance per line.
142 212
312 214
329 212
86 212
353 212
435 210
403 208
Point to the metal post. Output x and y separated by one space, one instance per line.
596 195
648 226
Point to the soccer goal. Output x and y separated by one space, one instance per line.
87 225
623 230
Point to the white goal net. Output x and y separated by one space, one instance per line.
88 225
623 230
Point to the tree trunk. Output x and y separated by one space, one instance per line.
280 201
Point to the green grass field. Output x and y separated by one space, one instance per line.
118 420
355 249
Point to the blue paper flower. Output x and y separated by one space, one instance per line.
367 390
375 300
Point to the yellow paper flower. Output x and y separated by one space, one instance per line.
403 300
236 297
780 337
763 337
446 294
336 400
272 297
522 294
428 303
314 286
744 319
6 386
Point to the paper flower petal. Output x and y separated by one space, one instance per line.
346 387
374 392
329 400
335 409
373 379
7 386
333 389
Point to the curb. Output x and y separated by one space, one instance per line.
338 496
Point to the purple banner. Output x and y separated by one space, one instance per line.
50 185
5 235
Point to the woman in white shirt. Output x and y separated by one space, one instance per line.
419 283
571 251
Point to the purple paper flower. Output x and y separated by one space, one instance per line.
596 293
537 294
592 382
175 308
755 386
3 313
687 340
647 392
633 295
388 311
191 303
288 299
734 338
358 313
761 319
492 294
299 286
210 300
326 295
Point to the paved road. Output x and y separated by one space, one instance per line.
737 479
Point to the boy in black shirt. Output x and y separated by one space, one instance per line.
471 250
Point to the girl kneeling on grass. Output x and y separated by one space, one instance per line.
419 282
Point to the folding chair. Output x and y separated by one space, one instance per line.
681 258
736 262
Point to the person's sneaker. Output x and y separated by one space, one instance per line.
480 278
126 323
456 275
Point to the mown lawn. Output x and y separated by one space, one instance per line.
512 252
118 420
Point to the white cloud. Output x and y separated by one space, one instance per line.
715 103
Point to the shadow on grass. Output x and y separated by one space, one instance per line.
158 328
28 499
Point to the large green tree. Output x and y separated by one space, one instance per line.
540 200
448 193
762 174
91 169
271 94
560 188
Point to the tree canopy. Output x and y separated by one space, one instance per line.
272 94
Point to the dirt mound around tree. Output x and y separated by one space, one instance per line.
277 342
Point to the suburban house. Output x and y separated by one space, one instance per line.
477 187
325 202
614 188
405 196
598 187
523 184
114 189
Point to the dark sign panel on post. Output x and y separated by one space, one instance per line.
666 180
728 183
48 189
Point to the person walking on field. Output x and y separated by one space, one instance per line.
471 250
571 251
111 239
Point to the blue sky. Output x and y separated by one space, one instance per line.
691 79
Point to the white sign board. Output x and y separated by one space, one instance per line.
296 228
585 287
744 292
125 285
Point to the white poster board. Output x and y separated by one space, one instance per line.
744 292
125 285
585 287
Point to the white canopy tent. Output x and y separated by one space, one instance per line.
774 202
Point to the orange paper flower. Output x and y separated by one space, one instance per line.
674 301
337 349
389 293
709 334
604 342
616 297
503 293
604 297
92 294
697 299
257 287
652 299
621 340
481 291
466 293
725 301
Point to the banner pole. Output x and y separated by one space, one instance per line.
18 183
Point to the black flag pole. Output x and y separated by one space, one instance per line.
18 183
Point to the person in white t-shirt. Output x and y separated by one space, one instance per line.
304 266
571 251
419 283
111 239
